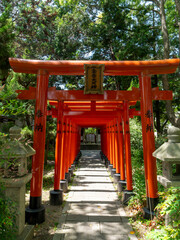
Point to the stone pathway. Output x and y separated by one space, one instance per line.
92 210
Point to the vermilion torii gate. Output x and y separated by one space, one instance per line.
113 118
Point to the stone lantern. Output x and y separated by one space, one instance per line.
169 153
14 176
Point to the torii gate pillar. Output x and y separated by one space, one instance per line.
148 144
128 192
35 213
56 195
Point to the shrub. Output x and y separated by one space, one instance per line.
8 211
8 215
139 189
170 205
138 164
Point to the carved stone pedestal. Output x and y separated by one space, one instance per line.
15 189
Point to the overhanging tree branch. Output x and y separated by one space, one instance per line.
154 1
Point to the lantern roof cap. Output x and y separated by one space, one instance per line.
14 148
170 151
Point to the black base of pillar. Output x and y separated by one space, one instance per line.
68 177
110 166
147 214
76 161
121 185
35 216
78 156
151 203
107 162
102 156
116 177
71 171
64 185
35 213
149 210
73 167
113 171
56 197
127 194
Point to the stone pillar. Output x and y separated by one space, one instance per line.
15 176
15 189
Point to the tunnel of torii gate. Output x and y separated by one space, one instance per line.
109 111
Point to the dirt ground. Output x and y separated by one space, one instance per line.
46 230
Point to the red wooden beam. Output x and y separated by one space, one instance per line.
74 95
133 112
71 67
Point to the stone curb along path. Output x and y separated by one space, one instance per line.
92 210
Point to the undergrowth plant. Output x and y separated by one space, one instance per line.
169 206
137 201
8 213
169 198
8 209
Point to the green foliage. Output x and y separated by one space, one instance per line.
48 182
8 209
9 104
139 189
136 140
90 131
124 33
164 233
8 215
169 199
27 133
2 139
173 29
6 126
13 107
170 204
6 39
35 27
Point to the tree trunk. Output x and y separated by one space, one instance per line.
157 110
178 11
160 4
164 30
169 108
